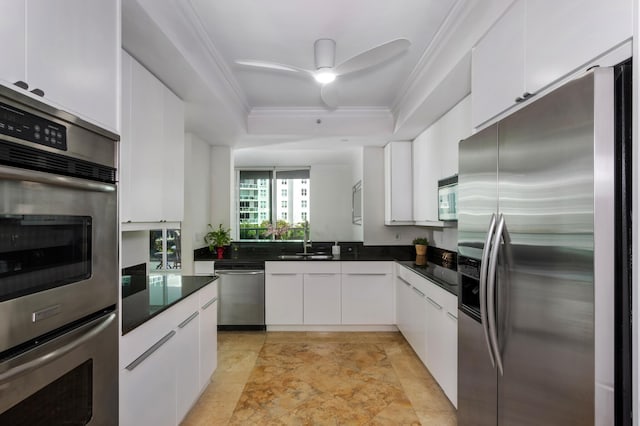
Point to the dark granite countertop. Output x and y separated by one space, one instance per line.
270 251
155 294
443 276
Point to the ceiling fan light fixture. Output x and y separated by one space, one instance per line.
324 76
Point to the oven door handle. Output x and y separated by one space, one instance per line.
14 173
18 366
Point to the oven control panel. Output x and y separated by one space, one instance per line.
23 125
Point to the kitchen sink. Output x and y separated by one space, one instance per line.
310 256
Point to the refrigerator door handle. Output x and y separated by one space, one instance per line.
483 286
491 294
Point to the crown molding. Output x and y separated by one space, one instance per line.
458 11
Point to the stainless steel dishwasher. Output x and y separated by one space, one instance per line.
241 295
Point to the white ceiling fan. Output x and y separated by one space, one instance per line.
325 72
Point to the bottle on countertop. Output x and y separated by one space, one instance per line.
335 250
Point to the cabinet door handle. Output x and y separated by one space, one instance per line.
418 291
369 275
209 303
136 362
405 281
283 275
434 303
38 92
318 274
22 84
453 317
184 323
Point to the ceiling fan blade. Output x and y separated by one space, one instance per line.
329 95
373 56
271 65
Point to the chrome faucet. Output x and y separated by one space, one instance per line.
305 239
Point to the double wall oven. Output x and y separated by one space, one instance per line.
58 267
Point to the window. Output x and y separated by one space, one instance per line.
165 249
263 200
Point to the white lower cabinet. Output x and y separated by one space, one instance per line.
161 362
427 318
300 293
148 391
321 295
188 360
367 293
283 293
442 342
208 336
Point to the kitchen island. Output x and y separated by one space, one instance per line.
168 348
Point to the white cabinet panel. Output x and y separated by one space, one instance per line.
368 298
398 180
564 36
188 362
72 55
12 30
173 157
153 173
283 295
148 393
427 318
498 62
426 172
321 298
208 333
126 162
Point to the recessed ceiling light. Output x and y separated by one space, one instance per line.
324 75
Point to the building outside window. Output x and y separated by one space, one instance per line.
266 209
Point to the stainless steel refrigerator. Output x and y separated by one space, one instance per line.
536 241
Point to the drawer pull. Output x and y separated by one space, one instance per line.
209 303
184 323
434 303
453 317
136 362
369 275
418 291
283 274
404 281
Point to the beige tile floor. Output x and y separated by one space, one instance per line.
277 378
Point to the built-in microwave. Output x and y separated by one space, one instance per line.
448 198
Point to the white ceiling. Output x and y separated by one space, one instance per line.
284 31
192 46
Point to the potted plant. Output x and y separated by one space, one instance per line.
421 245
217 239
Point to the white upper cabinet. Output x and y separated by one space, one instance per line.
566 35
426 172
435 156
69 50
152 148
537 43
398 178
498 66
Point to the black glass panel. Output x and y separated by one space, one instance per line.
67 401
39 252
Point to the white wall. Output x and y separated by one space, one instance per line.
197 198
331 175
330 202
222 180
135 248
